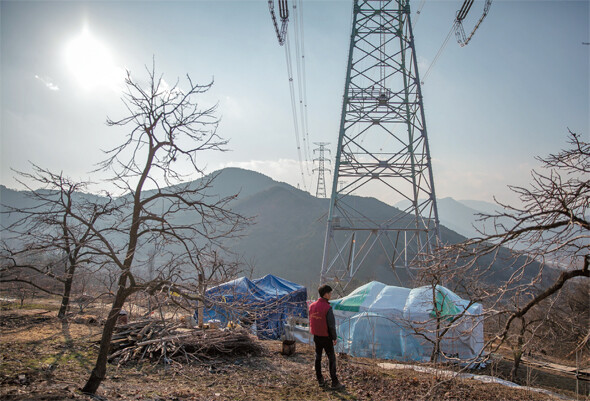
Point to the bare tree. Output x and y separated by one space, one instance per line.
45 242
450 318
556 326
568 324
551 227
184 222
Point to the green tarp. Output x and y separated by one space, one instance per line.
355 299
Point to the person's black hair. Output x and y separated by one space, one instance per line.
324 289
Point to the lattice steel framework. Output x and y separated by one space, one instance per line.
382 150
321 149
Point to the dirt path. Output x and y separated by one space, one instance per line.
43 359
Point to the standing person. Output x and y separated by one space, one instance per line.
323 327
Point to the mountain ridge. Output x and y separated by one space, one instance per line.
288 236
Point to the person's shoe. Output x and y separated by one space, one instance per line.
337 386
322 384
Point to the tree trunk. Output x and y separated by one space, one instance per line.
65 299
200 304
517 350
434 357
517 358
100 368
435 351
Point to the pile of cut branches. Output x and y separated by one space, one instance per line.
161 341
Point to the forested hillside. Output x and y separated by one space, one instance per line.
287 237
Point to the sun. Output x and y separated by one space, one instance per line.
91 63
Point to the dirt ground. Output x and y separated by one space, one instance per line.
43 358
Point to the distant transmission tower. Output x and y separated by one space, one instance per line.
382 151
321 189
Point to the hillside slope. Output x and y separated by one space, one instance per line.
287 238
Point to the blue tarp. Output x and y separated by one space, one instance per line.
265 302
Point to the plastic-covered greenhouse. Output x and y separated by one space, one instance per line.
381 321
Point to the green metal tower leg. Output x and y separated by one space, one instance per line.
382 151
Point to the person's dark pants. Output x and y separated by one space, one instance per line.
321 344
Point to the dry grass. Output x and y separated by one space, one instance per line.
44 359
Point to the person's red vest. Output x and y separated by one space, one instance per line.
318 326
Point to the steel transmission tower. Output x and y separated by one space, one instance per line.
382 151
321 188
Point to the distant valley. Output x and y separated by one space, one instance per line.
464 216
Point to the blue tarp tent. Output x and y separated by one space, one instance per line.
264 303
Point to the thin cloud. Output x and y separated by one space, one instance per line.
47 82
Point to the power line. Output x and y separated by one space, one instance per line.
442 48
418 13
301 82
461 14
294 107
304 80
459 31
284 14
299 122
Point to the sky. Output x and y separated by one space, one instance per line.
492 106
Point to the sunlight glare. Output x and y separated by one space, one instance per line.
90 62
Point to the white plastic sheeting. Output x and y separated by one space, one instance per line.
372 335
388 322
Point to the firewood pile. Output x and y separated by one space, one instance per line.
162 341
